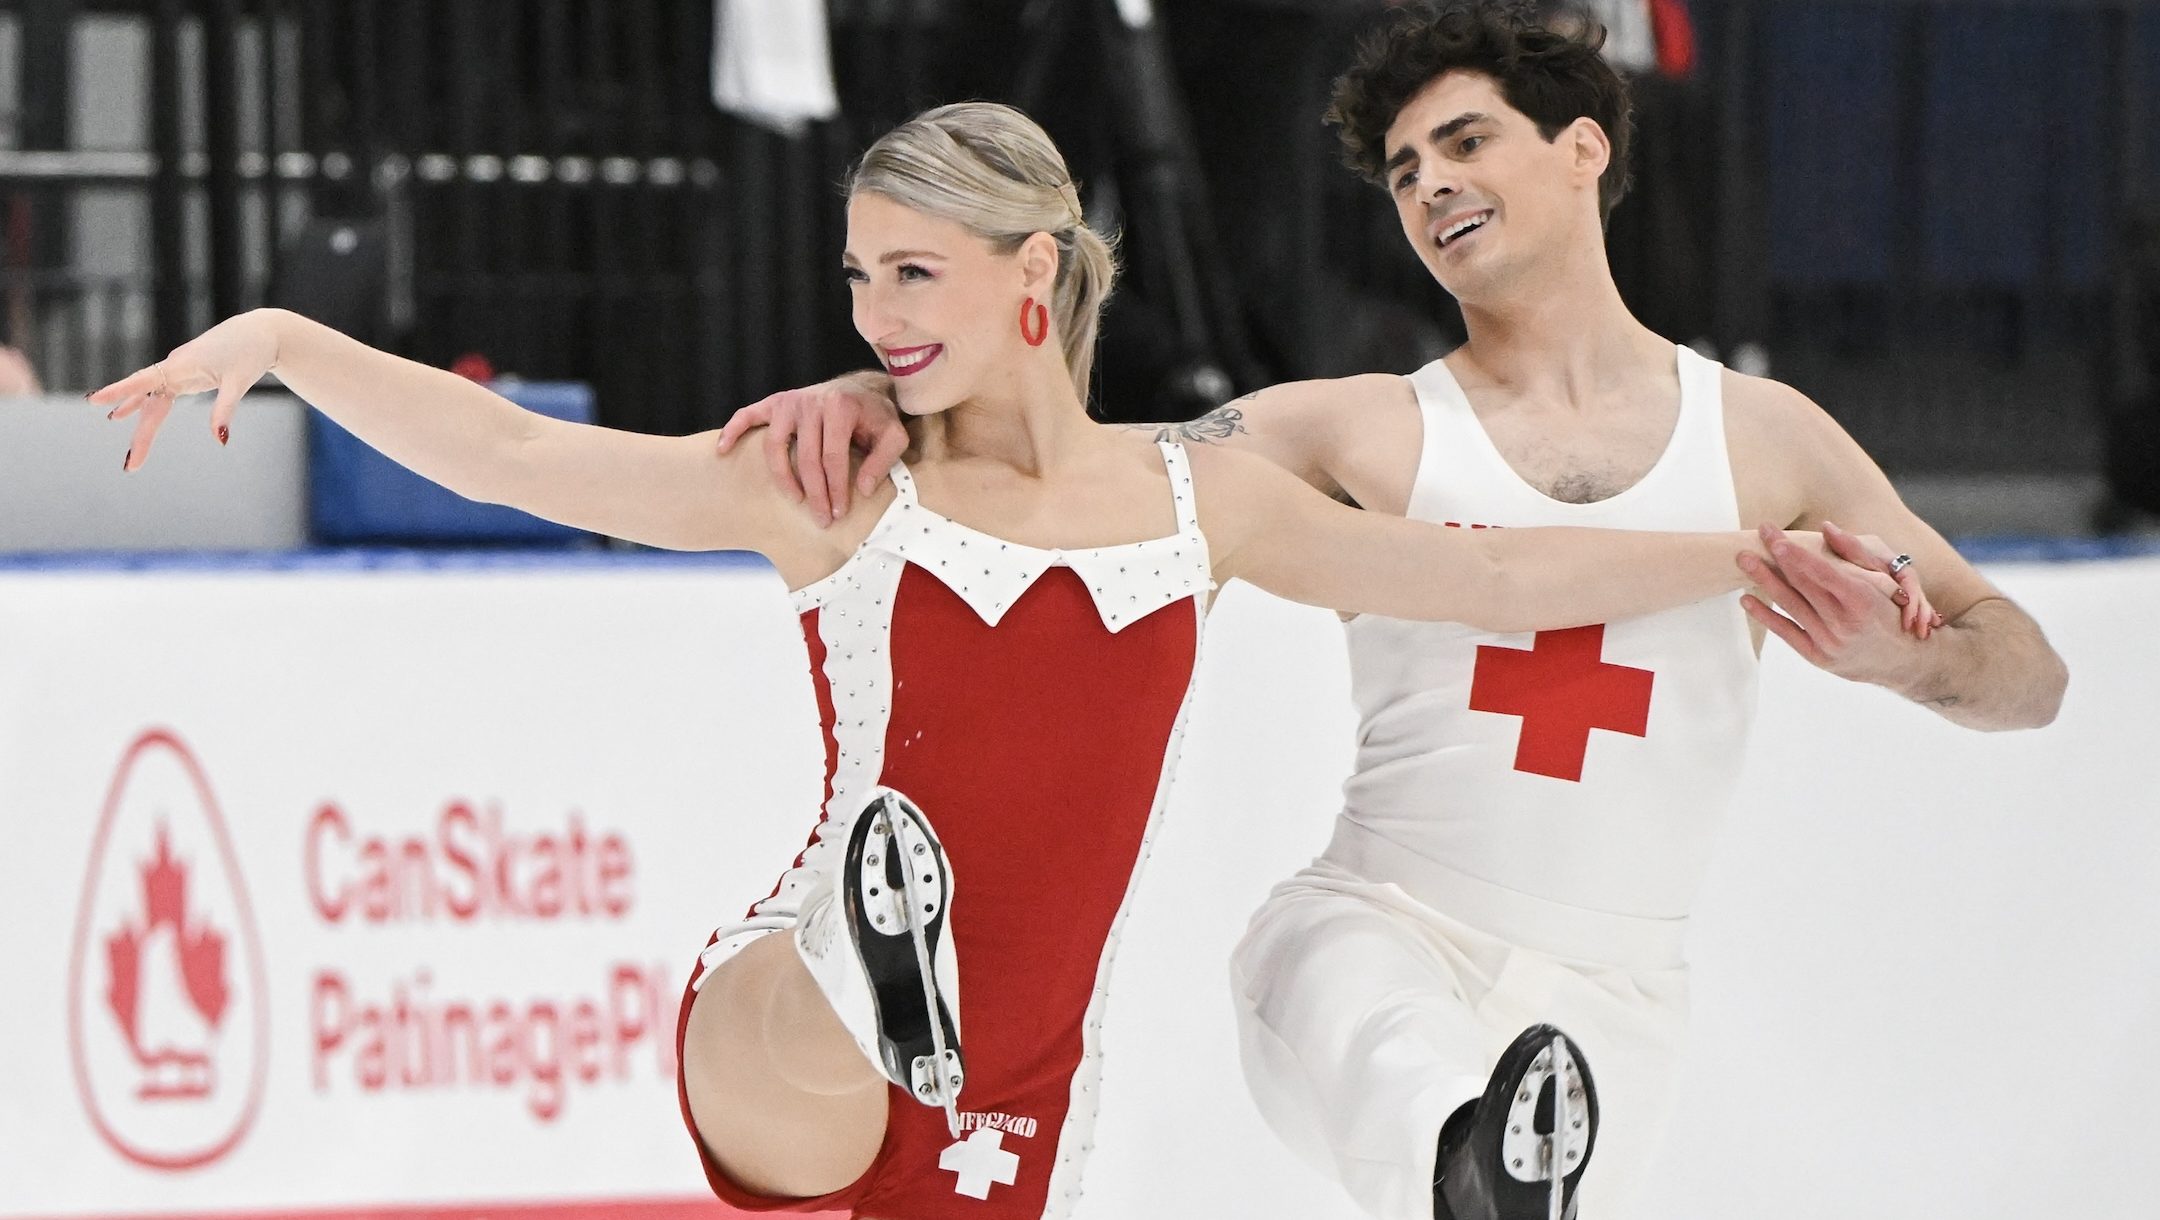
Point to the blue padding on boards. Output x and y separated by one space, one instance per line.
356 495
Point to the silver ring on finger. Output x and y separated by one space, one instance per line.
1899 564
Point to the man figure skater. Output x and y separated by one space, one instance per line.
1529 818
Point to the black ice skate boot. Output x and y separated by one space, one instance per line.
1518 1152
880 950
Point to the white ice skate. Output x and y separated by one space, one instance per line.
879 949
1520 1155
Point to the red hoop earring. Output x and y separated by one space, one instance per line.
1041 329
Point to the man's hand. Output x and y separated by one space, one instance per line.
1834 612
822 425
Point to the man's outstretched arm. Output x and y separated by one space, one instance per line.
1989 666
814 434
1335 434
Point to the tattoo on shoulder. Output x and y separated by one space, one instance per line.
1220 424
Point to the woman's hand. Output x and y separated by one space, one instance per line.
229 358
1829 583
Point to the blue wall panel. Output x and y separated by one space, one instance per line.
1831 92
2007 162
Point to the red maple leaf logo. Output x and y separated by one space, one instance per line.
165 886
202 965
122 951
200 953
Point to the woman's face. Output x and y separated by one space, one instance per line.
939 305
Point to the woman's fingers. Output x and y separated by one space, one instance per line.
1925 619
1868 551
160 382
127 407
228 358
1862 550
221 412
147 422
135 384
146 395
1915 596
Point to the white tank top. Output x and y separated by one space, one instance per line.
1587 768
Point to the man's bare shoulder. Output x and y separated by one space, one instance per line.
1214 464
1340 435
1358 389
1229 479
1340 407
1790 457
1770 416
1770 401
1290 409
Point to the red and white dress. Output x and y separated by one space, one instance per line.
1031 702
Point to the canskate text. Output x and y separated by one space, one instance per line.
471 867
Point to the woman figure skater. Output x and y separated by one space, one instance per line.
1006 634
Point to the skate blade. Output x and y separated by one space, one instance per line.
937 1077
1549 1155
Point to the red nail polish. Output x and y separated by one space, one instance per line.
125 459
224 435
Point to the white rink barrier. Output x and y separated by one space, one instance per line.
357 890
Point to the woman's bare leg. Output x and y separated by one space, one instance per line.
784 1100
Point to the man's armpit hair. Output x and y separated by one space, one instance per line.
1220 424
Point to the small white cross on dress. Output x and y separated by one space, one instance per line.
980 1160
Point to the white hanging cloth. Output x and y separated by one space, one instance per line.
1630 43
772 63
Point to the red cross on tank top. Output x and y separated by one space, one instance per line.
1589 766
1562 691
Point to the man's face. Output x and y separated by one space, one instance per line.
1480 194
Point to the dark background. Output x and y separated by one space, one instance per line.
1933 217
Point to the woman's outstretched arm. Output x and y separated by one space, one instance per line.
661 491
1269 528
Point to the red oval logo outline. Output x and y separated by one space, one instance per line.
257 976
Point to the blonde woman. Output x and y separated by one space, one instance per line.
1006 632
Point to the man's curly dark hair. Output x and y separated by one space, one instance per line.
1552 71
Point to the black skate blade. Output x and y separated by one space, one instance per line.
885 929
1501 1169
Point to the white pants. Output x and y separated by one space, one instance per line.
1365 1018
